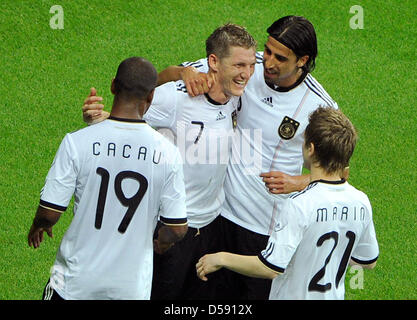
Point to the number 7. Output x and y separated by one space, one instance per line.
201 124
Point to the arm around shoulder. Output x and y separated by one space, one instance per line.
196 82
171 73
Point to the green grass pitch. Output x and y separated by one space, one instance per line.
46 74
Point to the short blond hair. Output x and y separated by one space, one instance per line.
334 138
226 36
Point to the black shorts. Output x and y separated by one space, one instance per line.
175 275
49 293
245 242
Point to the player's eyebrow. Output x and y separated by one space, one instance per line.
277 56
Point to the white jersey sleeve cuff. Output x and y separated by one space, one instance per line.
173 221
270 265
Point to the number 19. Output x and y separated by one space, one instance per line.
131 203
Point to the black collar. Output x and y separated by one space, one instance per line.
209 99
341 181
126 120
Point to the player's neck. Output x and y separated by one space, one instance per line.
216 91
292 80
127 110
218 95
318 173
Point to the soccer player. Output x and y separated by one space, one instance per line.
320 229
278 99
124 176
202 127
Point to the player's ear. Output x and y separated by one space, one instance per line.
149 98
310 149
213 62
302 61
112 87
148 102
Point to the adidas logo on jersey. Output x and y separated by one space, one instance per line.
220 116
268 101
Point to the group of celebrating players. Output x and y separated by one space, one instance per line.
161 223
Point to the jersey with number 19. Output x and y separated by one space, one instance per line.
124 175
319 231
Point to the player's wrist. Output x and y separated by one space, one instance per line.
302 182
186 71
222 259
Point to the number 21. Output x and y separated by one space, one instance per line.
314 285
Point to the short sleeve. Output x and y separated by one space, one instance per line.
173 209
61 179
367 250
201 65
285 238
162 112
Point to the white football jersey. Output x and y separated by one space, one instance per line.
124 176
269 137
320 229
203 131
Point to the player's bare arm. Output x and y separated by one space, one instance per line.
279 182
93 108
249 266
171 73
44 220
167 236
196 82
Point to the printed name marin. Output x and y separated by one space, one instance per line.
335 213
